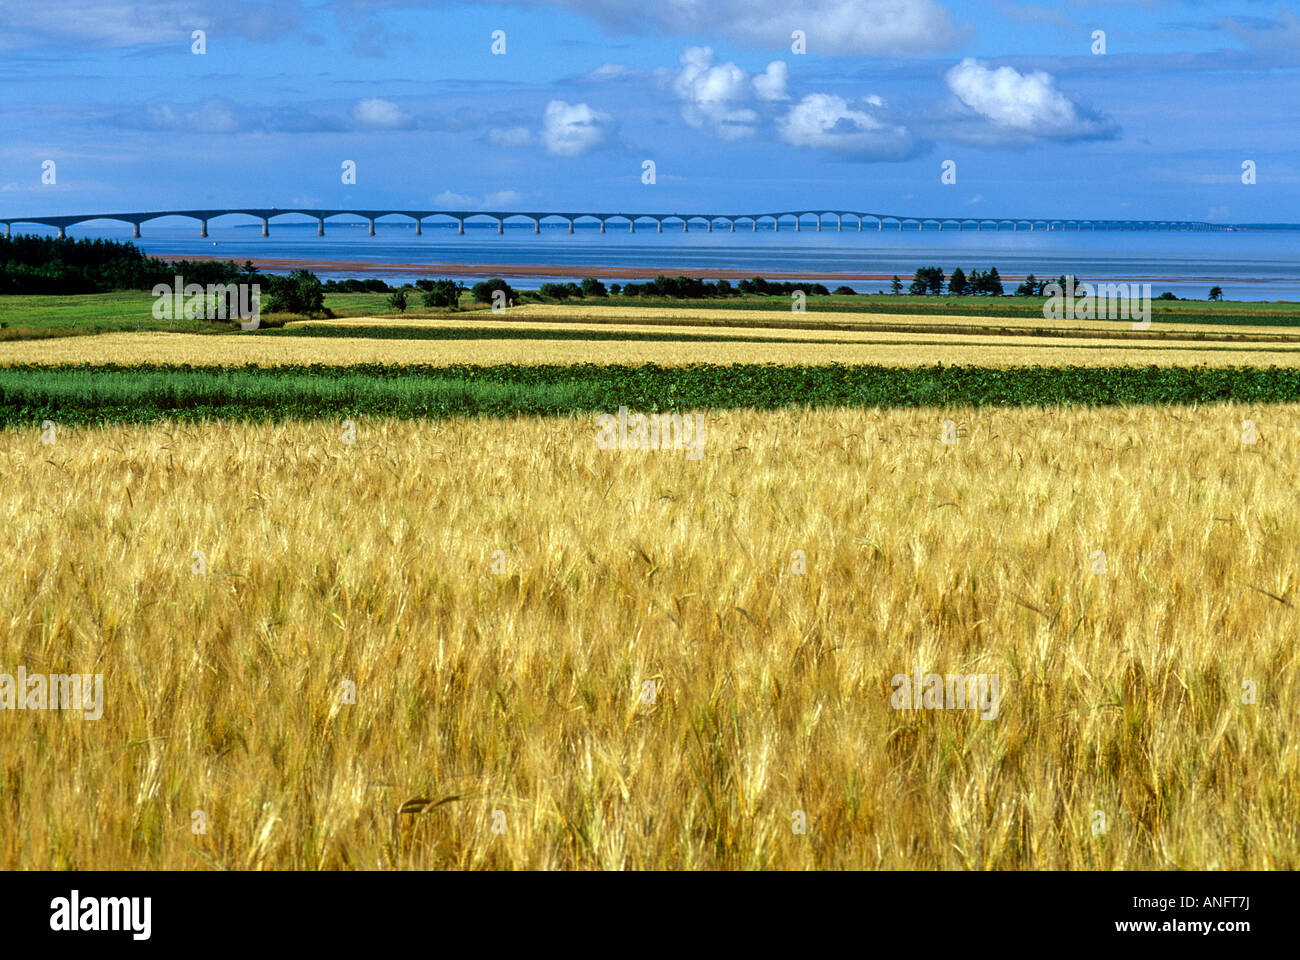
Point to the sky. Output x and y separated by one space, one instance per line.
740 105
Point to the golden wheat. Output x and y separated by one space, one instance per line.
650 682
815 348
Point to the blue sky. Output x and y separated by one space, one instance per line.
734 119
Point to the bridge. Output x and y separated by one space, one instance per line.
794 218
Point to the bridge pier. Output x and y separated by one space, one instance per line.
62 234
570 226
710 226
733 226
859 224
798 224
460 229
203 229
501 225
819 223
371 231
602 226
320 226
135 231
419 228
537 226
686 225
631 225
6 231
880 225
266 227
661 226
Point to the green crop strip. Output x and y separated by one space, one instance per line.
140 394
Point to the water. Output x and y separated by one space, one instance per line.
1248 265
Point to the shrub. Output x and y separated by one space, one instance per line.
442 293
484 289
300 292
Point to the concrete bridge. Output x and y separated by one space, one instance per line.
793 219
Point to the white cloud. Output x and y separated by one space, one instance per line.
836 27
771 83
1026 105
500 200
826 122
510 136
375 114
571 129
713 95
608 71
127 23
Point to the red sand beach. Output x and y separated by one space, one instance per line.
378 269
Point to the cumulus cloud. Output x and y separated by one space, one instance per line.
771 83
711 94
572 129
375 114
1024 106
824 121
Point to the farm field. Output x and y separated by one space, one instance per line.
397 342
517 682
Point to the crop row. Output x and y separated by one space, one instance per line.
112 393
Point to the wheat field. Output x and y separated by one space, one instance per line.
314 656
809 348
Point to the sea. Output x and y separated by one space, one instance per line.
1259 265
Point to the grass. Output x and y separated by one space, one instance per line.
40 317
85 394
510 688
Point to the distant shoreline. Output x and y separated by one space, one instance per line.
380 269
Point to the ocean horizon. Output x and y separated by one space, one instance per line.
1248 265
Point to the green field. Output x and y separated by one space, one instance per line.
36 317
86 394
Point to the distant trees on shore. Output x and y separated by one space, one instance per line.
50 266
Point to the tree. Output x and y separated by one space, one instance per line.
1029 288
398 301
845 292
992 282
591 287
1216 293
554 291
895 285
957 282
928 280
299 292
484 290
442 293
